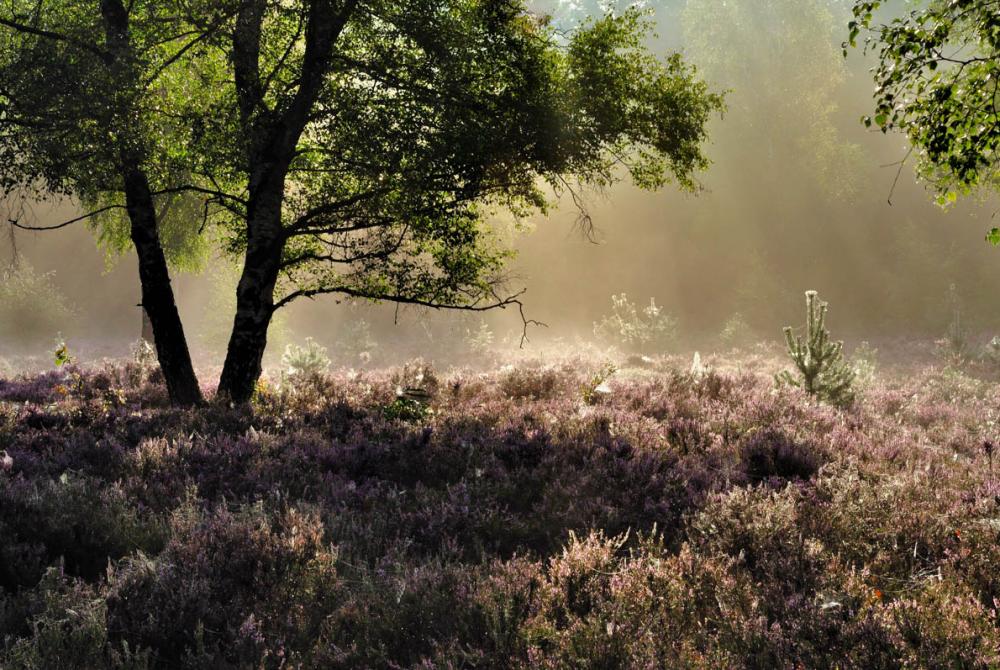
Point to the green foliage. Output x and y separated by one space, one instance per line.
416 386
823 373
395 132
305 363
72 111
480 339
936 81
407 410
515 107
596 387
62 355
32 308
143 354
780 60
646 330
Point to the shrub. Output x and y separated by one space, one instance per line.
247 588
72 520
680 522
597 387
143 354
62 355
32 309
646 330
407 410
599 606
943 626
417 381
70 632
735 331
770 456
991 352
479 340
865 364
530 384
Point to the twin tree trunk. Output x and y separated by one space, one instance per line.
255 293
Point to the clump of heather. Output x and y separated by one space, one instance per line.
677 518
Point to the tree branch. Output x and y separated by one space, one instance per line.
56 37
183 50
17 224
498 303
167 191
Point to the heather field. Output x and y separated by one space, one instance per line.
535 515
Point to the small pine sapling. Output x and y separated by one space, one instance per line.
306 363
824 372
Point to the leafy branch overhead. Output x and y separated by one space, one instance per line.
936 82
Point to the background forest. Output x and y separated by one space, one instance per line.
797 196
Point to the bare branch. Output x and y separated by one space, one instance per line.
584 221
498 302
17 224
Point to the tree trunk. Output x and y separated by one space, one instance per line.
254 295
157 294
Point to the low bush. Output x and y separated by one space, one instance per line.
32 310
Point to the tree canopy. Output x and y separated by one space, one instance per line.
435 114
69 107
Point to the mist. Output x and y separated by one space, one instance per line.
800 195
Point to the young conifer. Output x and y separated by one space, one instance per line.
822 369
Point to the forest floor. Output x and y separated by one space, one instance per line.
536 515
